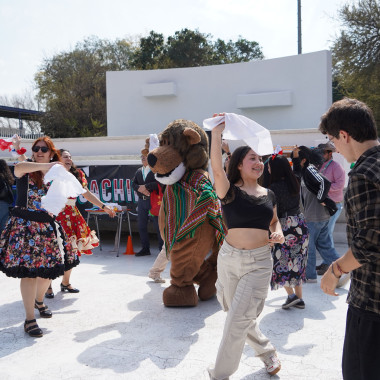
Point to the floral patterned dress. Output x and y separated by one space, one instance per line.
81 237
33 244
290 258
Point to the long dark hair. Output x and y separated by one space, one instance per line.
37 176
237 157
5 173
280 170
73 170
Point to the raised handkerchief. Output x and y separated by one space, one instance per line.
64 186
238 127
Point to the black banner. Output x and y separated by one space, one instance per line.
111 184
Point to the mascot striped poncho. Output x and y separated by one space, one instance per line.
187 204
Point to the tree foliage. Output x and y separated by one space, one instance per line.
356 53
72 85
188 48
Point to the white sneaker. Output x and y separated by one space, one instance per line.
157 279
344 278
272 364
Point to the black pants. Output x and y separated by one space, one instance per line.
361 350
143 219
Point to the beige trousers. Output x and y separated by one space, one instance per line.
159 265
242 286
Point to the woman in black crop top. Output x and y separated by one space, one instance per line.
32 246
244 261
290 258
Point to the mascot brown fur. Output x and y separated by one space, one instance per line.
190 217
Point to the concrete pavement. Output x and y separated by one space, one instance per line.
118 328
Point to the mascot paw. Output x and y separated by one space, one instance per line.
176 296
207 287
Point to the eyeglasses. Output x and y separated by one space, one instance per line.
44 149
331 141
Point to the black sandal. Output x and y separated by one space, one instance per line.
34 331
49 294
65 288
44 311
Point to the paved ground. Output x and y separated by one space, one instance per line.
118 328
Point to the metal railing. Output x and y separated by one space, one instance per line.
7 133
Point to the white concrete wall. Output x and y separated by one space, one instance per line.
282 93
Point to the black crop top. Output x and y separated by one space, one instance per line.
242 210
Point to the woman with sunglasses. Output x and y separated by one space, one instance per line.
81 237
33 245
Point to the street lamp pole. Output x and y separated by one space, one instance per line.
299 27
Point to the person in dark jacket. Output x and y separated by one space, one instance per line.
6 194
144 183
317 208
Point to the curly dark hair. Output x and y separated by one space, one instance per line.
5 173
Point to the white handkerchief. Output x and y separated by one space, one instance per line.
238 127
153 142
64 186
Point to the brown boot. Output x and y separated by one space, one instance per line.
207 287
180 296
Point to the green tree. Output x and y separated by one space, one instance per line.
240 51
150 53
72 87
188 48
356 53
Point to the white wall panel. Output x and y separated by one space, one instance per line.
282 93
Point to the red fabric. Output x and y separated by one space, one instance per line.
5 144
76 227
155 201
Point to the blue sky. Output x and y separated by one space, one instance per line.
33 30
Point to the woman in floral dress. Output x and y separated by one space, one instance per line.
82 239
289 258
33 246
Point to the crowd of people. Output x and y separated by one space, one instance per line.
351 129
276 223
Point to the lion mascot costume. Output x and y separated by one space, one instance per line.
190 217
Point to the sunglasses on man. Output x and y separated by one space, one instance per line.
36 149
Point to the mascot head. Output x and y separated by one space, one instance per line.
183 146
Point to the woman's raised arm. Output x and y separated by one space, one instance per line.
221 182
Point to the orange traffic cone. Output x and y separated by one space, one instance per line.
129 250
